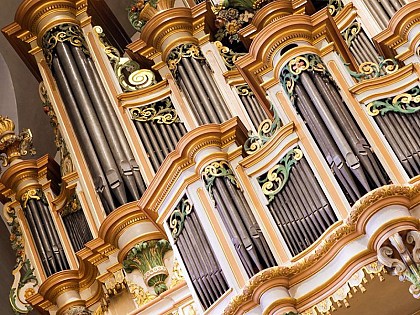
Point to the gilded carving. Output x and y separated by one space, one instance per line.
13 146
348 227
404 103
276 178
369 70
70 33
128 72
140 295
162 112
228 55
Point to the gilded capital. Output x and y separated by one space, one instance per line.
13 146
39 16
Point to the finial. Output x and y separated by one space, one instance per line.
13 146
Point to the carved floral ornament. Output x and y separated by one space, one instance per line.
295 67
70 33
397 194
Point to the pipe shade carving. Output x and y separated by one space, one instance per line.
195 78
237 217
360 44
202 266
109 157
24 279
147 257
312 91
128 72
159 128
296 201
398 118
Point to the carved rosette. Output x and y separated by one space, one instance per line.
147 257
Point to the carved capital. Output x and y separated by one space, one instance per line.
147 257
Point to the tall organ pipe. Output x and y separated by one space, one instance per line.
105 146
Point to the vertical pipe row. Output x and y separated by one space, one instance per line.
203 268
77 229
401 131
46 237
301 210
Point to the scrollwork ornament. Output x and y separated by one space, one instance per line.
215 170
162 112
35 194
129 74
370 70
178 216
183 51
351 32
73 205
335 6
266 130
276 178
404 103
70 33
228 55
295 67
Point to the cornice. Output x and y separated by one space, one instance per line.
268 14
121 219
165 24
385 84
145 96
396 33
27 174
330 244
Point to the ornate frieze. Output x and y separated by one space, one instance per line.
147 257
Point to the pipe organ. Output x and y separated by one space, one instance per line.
245 157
